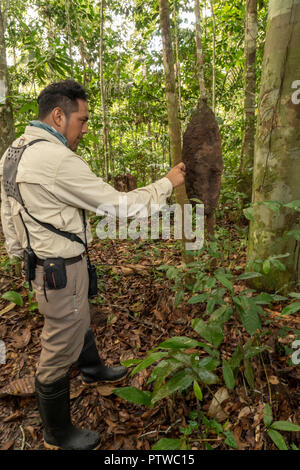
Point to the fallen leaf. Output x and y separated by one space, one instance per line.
7 308
215 410
274 380
244 412
12 417
31 432
20 341
8 445
21 387
105 390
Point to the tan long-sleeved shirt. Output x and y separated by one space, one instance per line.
55 184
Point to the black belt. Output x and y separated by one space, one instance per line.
68 261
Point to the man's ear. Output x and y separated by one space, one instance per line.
59 117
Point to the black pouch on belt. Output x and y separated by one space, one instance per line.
55 273
93 289
29 264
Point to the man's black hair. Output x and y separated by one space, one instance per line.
63 94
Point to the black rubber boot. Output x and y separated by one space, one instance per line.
92 368
54 407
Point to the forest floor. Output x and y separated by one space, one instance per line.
134 314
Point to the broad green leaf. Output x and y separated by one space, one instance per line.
212 333
179 297
263 299
134 395
197 391
249 373
268 415
221 315
179 381
148 361
277 439
295 295
163 369
250 320
293 205
273 205
254 351
266 266
130 362
249 275
249 213
285 426
178 342
167 444
228 375
196 299
205 376
224 281
292 308
14 297
236 358
230 440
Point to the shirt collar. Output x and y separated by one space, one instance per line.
51 130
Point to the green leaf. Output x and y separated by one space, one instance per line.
134 395
285 426
251 321
196 299
249 213
212 333
179 381
236 358
254 351
130 362
148 361
249 373
179 342
292 308
230 440
296 295
268 415
293 205
205 376
167 444
218 315
228 375
224 281
249 275
14 297
179 297
266 266
163 369
277 439
197 391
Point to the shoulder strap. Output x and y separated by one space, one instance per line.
70 236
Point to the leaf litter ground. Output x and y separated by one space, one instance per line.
134 314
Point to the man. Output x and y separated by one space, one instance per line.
55 185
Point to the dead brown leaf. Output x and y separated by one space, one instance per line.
20 341
13 417
21 387
7 445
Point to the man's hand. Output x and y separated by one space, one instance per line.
176 174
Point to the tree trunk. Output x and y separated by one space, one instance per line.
277 149
102 91
178 70
199 52
172 102
247 157
214 57
7 132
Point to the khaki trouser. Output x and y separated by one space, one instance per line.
67 317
